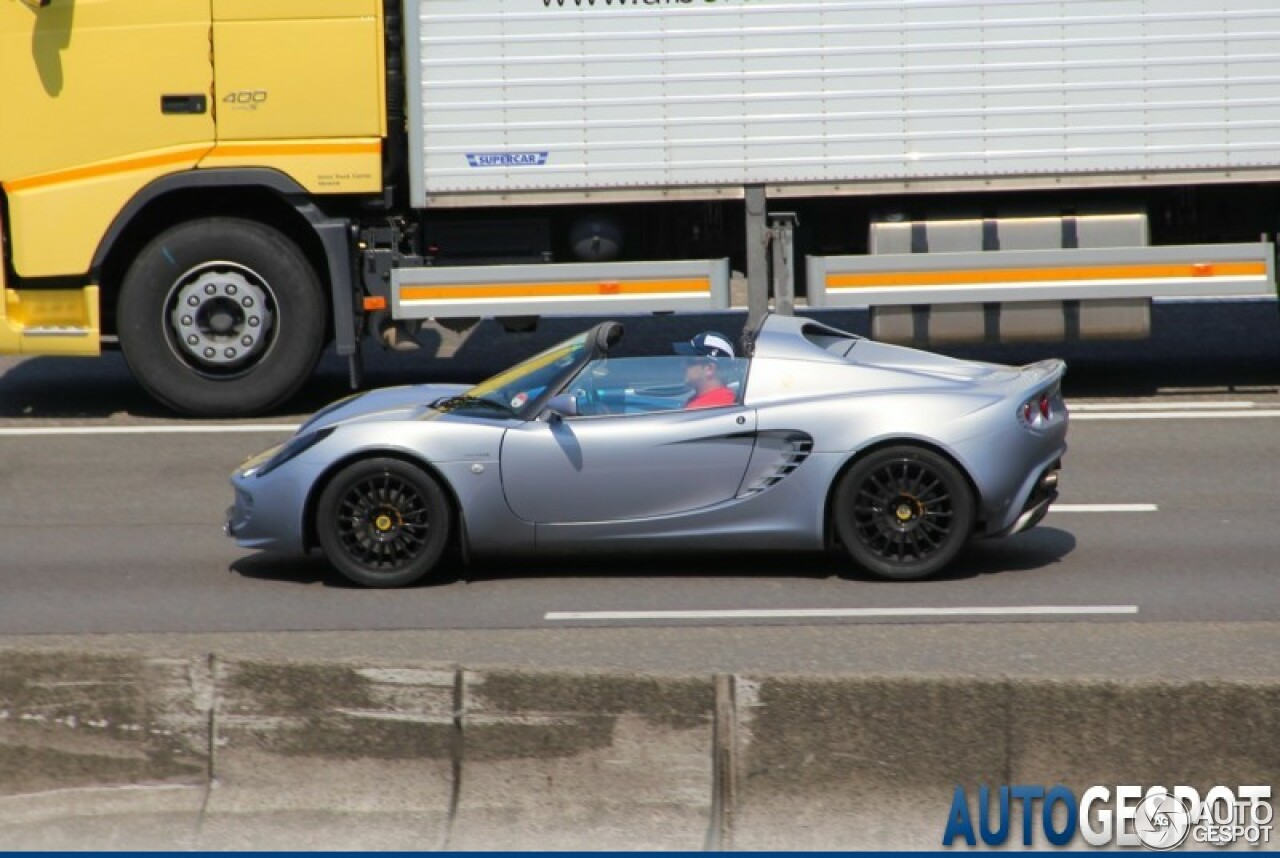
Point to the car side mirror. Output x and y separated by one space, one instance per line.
563 405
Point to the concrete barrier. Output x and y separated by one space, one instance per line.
98 751
584 761
833 763
330 756
841 763
109 752
1194 733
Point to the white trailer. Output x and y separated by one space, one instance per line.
525 98
865 117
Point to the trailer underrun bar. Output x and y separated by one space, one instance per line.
586 288
1220 270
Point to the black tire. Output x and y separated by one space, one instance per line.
221 317
383 522
903 512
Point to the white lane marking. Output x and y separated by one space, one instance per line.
847 613
1178 415
1158 406
1104 507
20 431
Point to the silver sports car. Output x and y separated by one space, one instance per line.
819 439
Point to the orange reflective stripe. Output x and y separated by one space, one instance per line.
192 155
258 150
551 290
95 170
1031 275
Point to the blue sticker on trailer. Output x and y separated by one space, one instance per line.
506 159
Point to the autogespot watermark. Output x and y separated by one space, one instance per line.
1157 818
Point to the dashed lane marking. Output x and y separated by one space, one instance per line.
1181 415
848 613
1103 507
1077 407
240 428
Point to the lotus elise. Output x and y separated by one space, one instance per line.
823 441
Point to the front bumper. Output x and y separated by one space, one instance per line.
239 513
267 513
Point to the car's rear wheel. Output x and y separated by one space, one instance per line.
903 512
383 522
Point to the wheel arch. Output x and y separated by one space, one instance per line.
829 534
259 195
310 538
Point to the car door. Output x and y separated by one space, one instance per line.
625 466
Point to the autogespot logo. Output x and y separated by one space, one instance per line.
1162 821
1159 818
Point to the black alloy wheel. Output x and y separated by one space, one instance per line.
903 512
383 522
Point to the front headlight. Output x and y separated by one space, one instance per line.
291 449
250 466
327 410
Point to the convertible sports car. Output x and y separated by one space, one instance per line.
822 439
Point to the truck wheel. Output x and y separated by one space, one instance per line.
221 318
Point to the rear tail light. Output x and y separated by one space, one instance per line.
1037 408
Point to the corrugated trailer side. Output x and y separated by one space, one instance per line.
528 98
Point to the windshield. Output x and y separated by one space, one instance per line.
506 393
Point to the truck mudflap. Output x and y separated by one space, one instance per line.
570 289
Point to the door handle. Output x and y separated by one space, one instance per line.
183 104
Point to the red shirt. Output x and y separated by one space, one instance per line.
714 398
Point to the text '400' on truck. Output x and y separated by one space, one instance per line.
224 186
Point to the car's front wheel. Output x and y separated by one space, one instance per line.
383 522
903 512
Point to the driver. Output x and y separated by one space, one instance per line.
703 369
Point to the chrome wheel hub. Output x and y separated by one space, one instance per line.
220 317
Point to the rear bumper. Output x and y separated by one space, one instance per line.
1043 493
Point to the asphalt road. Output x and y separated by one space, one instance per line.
1164 519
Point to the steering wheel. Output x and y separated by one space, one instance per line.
587 392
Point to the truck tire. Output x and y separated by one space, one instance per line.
221 317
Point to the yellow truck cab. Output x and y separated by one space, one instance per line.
164 171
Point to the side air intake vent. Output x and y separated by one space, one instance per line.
776 456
